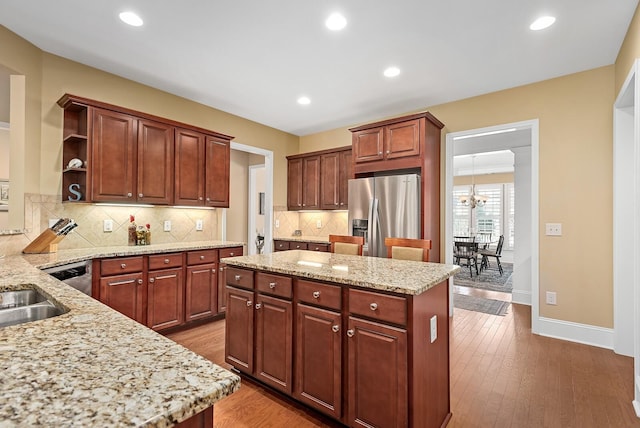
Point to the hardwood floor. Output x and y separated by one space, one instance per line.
501 376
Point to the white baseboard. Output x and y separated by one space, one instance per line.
521 297
636 406
575 332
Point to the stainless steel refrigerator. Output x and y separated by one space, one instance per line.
381 207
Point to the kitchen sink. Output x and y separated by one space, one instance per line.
21 306
15 298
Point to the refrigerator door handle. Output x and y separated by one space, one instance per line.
374 235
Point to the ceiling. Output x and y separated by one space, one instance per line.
255 58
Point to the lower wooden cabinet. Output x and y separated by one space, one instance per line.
284 245
201 285
238 348
222 283
165 298
125 293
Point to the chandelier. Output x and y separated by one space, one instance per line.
473 200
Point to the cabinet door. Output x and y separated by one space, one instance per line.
125 294
238 335
294 184
318 359
222 288
368 145
189 167
311 183
296 245
330 181
346 173
378 393
165 299
155 163
273 358
113 157
402 139
217 172
201 292
280 245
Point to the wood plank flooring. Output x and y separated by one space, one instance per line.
501 376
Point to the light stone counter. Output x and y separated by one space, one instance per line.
304 238
92 366
397 276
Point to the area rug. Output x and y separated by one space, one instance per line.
479 304
488 279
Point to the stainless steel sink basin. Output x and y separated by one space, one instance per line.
22 314
12 299
21 306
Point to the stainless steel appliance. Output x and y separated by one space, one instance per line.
77 275
385 206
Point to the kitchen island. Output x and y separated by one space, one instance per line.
363 340
92 366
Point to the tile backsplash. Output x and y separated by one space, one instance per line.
330 222
89 233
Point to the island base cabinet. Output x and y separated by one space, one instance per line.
274 320
319 359
165 299
238 350
377 375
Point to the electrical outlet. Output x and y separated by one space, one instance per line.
199 225
167 225
434 328
107 225
551 298
319 224
277 223
553 229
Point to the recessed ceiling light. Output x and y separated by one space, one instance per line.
131 18
304 101
542 23
336 22
392 72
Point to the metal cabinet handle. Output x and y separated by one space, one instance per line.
221 268
199 198
129 195
140 281
123 265
272 285
304 205
213 270
249 303
231 254
201 257
350 333
140 195
237 277
388 151
129 281
335 203
152 280
208 199
316 294
258 305
335 328
379 153
373 306
166 261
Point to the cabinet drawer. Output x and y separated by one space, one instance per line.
161 261
298 246
274 284
318 247
280 245
378 306
239 277
230 252
202 257
316 293
121 265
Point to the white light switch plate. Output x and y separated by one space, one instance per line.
107 225
167 225
199 225
434 328
277 223
553 229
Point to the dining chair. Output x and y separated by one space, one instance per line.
345 244
497 253
467 252
483 239
408 249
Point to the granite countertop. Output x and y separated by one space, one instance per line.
304 238
93 366
398 276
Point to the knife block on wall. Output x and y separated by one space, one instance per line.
46 242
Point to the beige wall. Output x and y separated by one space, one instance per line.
238 197
575 166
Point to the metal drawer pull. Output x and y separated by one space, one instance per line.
350 333
152 280
129 195
221 268
123 265
213 270
237 277
272 285
316 294
140 195
231 254
258 305
201 257
249 303
373 306
139 281
335 328
129 281
166 261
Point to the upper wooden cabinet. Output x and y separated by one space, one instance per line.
318 180
129 156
